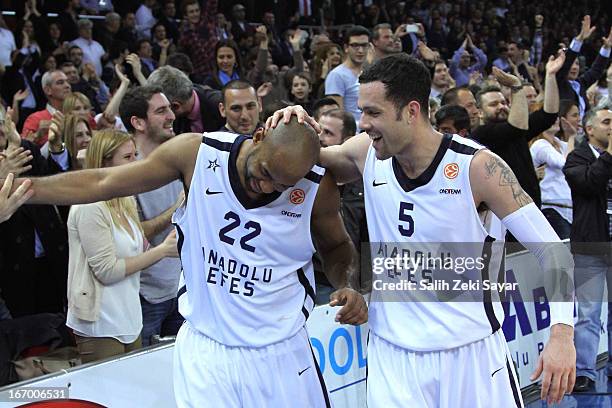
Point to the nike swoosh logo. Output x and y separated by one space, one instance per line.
375 184
302 372
496 371
208 192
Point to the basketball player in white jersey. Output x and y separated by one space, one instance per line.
246 246
442 354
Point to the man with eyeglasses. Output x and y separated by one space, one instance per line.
342 82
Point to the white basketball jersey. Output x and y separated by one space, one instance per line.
247 272
436 207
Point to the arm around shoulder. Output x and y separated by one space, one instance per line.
346 161
168 162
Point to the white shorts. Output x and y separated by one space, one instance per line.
477 375
210 374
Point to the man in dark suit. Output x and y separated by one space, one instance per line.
573 86
34 242
196 107
588 170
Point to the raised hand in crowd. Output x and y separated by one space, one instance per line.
108 118
554 64
426 53
475 78
56 130
586 29
607 41
120 75
506 79
136 65
17 99
325 68
9 203
165 44
264 89
400 31
9 137
21 95
89 72
295 39
421 32
30 8
14 161
261 34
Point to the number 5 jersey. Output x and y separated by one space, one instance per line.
433 210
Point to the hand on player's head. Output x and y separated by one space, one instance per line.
286 113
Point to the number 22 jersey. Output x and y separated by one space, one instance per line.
247 272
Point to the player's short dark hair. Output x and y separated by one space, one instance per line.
405 78
235 84
136 103
349 127
456 113
484 91
321 103
355 31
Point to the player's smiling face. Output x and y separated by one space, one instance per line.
380 121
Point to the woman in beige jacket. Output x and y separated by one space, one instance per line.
107 252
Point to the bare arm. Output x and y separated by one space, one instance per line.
519 111
172 160
166 249
494 184
346 161
338 252
158 224
112 109
333 241
551 91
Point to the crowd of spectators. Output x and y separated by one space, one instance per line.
504 72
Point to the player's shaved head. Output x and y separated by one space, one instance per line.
281 157
297 142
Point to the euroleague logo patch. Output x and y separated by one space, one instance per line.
297 196
451 170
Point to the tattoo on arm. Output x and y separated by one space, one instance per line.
507 179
